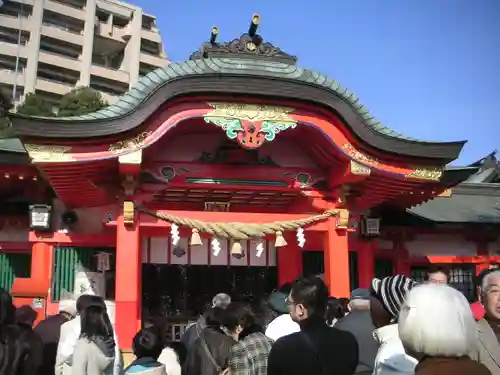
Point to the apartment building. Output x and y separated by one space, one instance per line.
51 46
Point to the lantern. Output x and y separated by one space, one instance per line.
40 217
103 261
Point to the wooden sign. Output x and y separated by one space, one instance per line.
89 283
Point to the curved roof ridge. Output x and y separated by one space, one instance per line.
156 79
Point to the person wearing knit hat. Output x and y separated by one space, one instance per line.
387 298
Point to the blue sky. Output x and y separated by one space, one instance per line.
426 68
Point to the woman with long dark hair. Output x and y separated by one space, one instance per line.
15 353
95 350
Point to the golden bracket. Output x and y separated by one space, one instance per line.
342 219
128 213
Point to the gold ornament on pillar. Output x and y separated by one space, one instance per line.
342 219
280 240
128 213
195 238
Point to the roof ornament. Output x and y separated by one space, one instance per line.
250 45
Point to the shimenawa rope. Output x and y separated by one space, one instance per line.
239 231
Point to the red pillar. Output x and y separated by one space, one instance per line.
366 263
336 253
128 283
24 290
402 264
289 259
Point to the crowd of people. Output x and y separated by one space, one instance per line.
396 327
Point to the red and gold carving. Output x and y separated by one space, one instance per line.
250 124
351 151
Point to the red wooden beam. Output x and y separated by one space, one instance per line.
455 259
18 247
74 239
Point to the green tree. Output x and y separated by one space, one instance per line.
35 105
80 101
5 106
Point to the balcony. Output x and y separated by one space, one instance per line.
153 60
9 77
110 74
54 87
59 60
152 36
61 33
13 50
68 11
15 23
108 39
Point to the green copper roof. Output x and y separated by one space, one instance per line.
470 203
148 84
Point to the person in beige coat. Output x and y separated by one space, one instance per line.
489 328
95 349
69 335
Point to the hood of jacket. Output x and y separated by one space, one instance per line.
105 354
145 366
391 357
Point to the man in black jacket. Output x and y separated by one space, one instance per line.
192 333
359 323
317 349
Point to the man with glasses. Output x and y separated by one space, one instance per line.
317 348
489 327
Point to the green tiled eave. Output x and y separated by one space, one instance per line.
148 84
470 203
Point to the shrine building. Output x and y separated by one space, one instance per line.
234 171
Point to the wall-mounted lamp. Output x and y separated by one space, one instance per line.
40 217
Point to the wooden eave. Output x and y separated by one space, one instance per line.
97 183
89 184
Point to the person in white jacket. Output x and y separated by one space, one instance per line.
282 324
387 297
70 333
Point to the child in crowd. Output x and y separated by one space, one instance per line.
147 346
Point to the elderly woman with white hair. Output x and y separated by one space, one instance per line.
436 326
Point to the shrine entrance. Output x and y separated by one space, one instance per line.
178 282
174 295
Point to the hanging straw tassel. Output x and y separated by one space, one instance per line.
195 238
237 250
280 240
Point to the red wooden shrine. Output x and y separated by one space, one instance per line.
236 134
